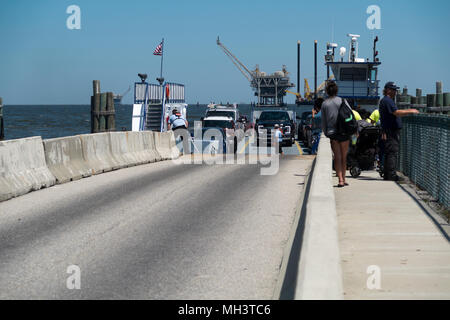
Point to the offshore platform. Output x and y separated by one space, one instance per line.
118 97
269 88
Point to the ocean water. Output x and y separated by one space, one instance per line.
54 121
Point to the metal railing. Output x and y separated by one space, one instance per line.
424 154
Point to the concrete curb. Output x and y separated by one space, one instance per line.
320 272
287 280
23 167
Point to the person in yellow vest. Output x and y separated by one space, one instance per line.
375 117
356 115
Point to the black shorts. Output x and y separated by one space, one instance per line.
180 127
339 137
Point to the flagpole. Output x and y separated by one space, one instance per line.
162 58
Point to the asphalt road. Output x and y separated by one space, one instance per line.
157 231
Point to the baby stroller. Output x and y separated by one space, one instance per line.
361 156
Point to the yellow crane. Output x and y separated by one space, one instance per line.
298 95
308 94
294 93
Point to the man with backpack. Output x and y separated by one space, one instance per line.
391 124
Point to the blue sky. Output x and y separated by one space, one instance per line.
43 62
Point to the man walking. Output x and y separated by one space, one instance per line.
391 125
279 138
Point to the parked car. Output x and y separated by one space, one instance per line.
313 128
301 125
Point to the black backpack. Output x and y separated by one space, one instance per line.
346 122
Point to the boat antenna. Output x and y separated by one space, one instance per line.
332 29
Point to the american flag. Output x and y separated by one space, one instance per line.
158 50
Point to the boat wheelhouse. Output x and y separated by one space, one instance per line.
357 78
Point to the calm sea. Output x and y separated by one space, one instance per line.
68 120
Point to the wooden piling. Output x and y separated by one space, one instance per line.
2 129
431 100
438 87
419 93
102 121
95 107
96 87
102 110
447 99
439 100
111 116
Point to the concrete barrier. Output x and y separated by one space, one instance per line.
166 145
137 147
97 153
30 164
22 167
320 272
150 146
174 151
122 151
162 145
64 158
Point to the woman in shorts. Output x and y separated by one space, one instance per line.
339 142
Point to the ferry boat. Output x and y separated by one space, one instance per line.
154 103
357 78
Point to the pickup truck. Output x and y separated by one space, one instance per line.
266 122
229 112
227 128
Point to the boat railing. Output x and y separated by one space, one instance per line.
152 93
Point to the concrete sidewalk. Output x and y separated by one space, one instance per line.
381 226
